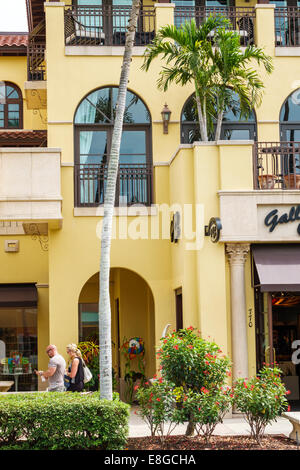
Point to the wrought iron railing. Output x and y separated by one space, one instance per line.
287 26
276 165
242 19
106 25
134 184
36 67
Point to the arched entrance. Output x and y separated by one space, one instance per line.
132 310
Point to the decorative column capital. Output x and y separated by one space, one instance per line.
237 252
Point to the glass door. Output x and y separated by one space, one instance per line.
265 352
92 172
133 172
290 159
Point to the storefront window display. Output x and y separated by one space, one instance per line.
18 347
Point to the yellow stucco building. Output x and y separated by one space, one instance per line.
205 234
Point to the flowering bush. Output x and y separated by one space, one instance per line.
205 409
192 362
262 399
157 407
190 389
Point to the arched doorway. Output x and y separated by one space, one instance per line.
132 310
234 126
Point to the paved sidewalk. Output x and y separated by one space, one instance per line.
229 427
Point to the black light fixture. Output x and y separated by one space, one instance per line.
166 114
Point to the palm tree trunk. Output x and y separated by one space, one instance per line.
202 119
219 125
105 356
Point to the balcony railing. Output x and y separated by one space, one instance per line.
36 67
106 25
287 26
276 165
134 184
241 19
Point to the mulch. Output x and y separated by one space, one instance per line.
183 443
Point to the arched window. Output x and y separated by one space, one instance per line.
11 106
290 118
233 127
94 121
290 133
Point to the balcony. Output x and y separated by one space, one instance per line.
106 25
30 189
134 184
35 87
242 19
277 165
287 26
267 210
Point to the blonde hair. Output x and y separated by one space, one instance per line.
73 348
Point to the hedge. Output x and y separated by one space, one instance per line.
62 421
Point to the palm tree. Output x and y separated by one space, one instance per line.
105 356
234 73
212 66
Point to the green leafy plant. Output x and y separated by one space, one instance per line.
190 57
204 409
192 362
157 407
262 399
62 421
90 355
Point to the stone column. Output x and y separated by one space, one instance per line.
237 254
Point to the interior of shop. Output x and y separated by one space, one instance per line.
286 333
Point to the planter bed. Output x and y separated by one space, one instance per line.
269 442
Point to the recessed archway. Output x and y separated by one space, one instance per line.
132 312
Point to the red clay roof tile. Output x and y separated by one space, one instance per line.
13 40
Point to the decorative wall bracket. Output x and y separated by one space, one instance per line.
37 233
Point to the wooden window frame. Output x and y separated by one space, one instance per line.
8 101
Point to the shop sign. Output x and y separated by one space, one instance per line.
273 219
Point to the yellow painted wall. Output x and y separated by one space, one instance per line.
14 69
182 176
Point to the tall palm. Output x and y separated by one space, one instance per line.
211 66
234 72
105 356
187 51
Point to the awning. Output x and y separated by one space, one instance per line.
278 267
18 295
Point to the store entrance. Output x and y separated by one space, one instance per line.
278 329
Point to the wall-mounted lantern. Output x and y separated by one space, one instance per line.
166 114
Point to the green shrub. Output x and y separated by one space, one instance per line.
192 362
205 409
63 421
157 407
262 399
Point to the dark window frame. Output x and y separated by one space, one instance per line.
9 101
108 127
186 126
179 308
